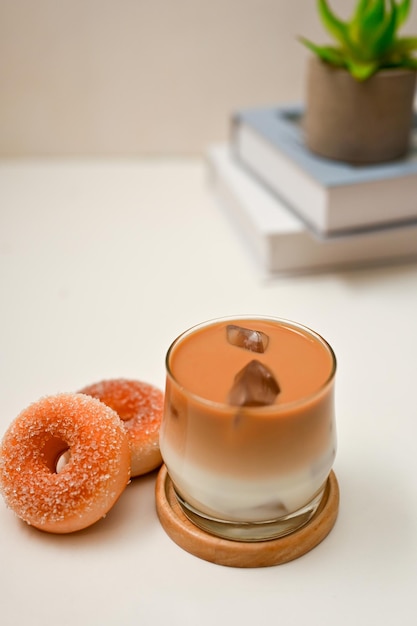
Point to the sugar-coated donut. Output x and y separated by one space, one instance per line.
140 406
85 488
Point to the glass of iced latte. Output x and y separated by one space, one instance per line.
248 434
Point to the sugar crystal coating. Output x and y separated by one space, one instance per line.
246 338
254 385
140 407
87 486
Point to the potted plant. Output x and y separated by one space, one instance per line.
360 92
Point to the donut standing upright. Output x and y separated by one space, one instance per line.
140 406
97 469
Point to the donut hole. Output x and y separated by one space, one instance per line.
62 460
56 454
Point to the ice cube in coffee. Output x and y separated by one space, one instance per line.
254 385
247 338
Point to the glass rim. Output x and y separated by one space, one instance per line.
270 408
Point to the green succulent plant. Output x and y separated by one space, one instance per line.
369 41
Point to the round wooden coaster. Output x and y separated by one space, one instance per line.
238 553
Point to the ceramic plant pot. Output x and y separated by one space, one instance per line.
358 122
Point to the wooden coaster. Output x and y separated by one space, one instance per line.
238 553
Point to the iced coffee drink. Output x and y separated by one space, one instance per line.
248 435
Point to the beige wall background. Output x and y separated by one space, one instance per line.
140 77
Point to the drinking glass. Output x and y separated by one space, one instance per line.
249 447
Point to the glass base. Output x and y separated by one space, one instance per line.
253 531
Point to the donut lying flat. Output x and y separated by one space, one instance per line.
140 406
87 485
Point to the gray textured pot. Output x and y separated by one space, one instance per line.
358 122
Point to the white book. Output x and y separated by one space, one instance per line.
330 196
280 241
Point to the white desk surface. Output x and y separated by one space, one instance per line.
102 265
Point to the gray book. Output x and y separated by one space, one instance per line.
329 196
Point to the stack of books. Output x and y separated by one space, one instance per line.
297 211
